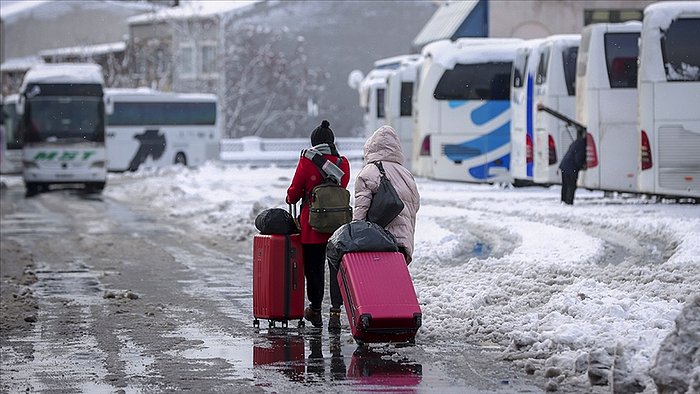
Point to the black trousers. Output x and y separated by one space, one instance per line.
568 186
314 271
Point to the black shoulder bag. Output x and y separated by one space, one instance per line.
386 203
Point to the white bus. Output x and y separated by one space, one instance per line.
606 103
153 129
62 125
555 87
372 87
522 107
12 149
669 100
462 110
398 104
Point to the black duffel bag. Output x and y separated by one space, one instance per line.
359 236
276 221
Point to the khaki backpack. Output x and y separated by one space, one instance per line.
329 204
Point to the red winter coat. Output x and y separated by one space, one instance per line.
306 177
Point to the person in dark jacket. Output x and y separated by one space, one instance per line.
306 177
573 161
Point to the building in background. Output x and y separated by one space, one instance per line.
522 18
277 67
30 27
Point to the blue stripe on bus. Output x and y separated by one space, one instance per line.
528 118
456 103
482 171
489 111
479 146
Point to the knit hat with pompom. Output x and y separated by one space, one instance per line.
322 134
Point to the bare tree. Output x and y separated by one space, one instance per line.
269 85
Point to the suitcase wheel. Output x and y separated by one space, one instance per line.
256 323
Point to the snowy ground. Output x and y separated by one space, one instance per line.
553 286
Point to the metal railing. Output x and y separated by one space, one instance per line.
281 151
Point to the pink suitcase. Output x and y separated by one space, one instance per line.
379 297
278 279
375 369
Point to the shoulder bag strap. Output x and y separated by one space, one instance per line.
380 167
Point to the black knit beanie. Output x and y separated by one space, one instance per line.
322 134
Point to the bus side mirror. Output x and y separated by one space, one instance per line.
355 78
109 106
19 105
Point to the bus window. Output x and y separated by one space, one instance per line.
488 81
542 67
519 69
679 47
569 59
380 103
621 52
367 99
406 98
162 113
12 134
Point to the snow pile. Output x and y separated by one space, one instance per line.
677 366
583 293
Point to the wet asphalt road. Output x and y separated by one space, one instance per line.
130 300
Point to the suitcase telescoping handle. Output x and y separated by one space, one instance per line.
293 212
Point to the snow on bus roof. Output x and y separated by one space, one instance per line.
471 50
563 39
395 60
660 15
657 18
64 73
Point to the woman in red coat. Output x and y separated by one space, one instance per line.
306 177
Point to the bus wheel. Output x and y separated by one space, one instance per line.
32 189
181 159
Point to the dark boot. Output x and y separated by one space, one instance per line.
314 316
334 320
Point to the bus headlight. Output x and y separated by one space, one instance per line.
98 164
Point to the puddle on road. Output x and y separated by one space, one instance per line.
481 250
282 359
77 283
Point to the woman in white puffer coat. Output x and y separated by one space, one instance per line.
384 145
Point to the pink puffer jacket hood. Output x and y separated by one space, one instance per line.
384 145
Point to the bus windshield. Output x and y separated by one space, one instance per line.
519 69
484 81
680 50
621 52
64 118
569 62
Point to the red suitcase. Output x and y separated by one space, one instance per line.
278 279
284 353
379 297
